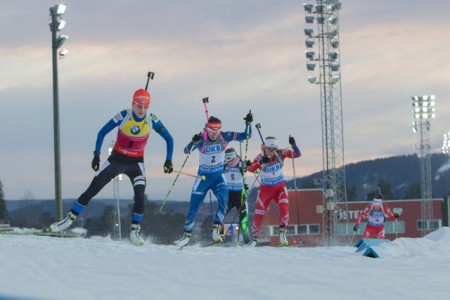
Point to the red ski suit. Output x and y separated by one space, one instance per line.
375 220
272 187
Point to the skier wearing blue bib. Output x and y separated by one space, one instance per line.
211 144
234 171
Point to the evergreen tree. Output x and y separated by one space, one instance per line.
384 188
351 194
3 209
414 191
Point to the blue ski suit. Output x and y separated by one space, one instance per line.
211 165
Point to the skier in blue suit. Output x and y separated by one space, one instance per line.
211 144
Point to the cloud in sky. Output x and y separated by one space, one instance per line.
243 55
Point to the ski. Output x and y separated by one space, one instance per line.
57 234
213 243
44 232
298 244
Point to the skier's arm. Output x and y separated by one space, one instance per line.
363 213
389 213
113 123
255 164
295 152
165 134
195 143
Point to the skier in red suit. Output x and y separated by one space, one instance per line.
375 213
273 187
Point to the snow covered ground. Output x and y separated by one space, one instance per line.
33 267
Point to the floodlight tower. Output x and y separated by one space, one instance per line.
446 148
424 110
56 24
446 143
323 15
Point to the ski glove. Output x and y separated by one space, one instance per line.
248 163
168 167
95 163
396 215
291 141
264 160
248 118
356 227
246 187
196 138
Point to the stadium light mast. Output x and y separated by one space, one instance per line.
56 24
446 147
116 184
423 111
323 16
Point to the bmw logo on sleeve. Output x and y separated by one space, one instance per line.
135 130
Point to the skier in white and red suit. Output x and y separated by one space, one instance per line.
375 212
273 186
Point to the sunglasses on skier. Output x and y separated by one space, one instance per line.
212 130
230 155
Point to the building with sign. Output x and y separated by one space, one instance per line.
306 217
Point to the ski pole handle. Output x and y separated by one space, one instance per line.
206 100
150 75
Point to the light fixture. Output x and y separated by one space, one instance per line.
308 32
319 8
310 67
334 43
333 33
309 54
320 20
63 52
332 55
309 43
424 107
312 79
446 143
334 67
61 24
60 9
60 40
308 7
332 20
309 19
335 79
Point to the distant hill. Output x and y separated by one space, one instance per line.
401 172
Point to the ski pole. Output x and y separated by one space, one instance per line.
203 177
258 126
231 224
206 100
295 186
395 229
211 206
351 241
244 193
150 75
176 178
253 184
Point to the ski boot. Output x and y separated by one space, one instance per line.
135 238
184 240
283 238
64 224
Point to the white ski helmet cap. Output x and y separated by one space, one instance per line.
378 199
271 142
